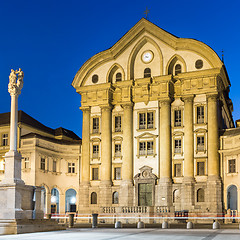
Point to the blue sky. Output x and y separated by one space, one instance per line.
50 40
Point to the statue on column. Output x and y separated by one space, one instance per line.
15 81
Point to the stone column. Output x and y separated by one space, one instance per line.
165 140
213 137
85 161
187 187
85 169
126 187
13 157
214 184
106 145
127 145
164 192
106 157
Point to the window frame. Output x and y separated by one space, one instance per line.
146 151
117 175
95 174
147 74
71 168
146 117
5 139
229 166
117 128
43 163
200 115
198 168
95 127
175 169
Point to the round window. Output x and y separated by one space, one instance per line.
95 78
199 64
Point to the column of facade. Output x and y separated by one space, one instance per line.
126 187
106 145
165 140
214 185
164 192
187 187
213 137
127 145
105 195
85 163
188 139
85 169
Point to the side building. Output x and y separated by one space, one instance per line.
51 159
153 106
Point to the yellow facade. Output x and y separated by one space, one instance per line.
153 105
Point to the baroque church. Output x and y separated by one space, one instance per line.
158 137
156 114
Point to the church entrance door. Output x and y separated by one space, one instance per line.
145 194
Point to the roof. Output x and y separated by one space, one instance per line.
30 121
59 141
231 132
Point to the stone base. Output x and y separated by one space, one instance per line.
29 226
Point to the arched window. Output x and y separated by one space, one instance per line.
200 195
115 198
118 77
95 78
93 198
147 72
70 200
178 69
54 201
176 196
232 197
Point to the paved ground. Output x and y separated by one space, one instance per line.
151 234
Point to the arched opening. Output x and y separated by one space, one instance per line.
232 197
176 196
147 72
118 77
70 200
115 198
54 201
93 198
178 69
200 195
43 199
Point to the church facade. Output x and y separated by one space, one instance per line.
154 107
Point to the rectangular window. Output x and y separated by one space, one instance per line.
177 170
118 124
118 150
149 120
200 114
71 167
26 163
142 148
95 151
117 173
95 125
142 121
146 120
177 146
150 148
232 166
177 118
200 144
5 139
200 168
146 148
94 173
43 164
54 167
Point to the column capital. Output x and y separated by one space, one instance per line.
213 97
85 109
165 101
188 98
106 107
127 105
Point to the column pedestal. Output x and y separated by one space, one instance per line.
126 193
164 192
84 201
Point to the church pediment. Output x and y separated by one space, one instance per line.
147 34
